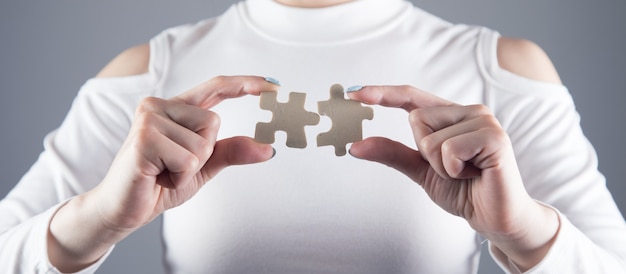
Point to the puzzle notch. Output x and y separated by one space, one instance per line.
347 116
290 117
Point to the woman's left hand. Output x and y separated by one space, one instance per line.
466 164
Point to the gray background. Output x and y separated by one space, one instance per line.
49 48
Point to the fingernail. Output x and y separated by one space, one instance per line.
272 80
354 88
273 152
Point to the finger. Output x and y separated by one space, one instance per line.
425 121
162 156
217 89
189 127
444 148
405 97
199 143
434 147
433 125
392 154
236 151
466 155
191 118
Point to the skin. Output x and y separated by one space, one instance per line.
464 161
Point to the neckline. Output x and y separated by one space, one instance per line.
345 23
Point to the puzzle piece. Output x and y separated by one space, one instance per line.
290 117
346 116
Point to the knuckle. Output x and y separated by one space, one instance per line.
427 145
479 109
490 121
144 136
189 160
205 149
416 115
418 118
207 122
498 136
146 120
447 148
150 104
213 120
219 80
503 137
212 116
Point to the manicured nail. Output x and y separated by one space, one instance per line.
272 80
354 88
273 152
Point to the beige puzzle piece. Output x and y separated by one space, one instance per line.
290 117
347 116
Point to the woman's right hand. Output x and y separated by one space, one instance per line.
170 153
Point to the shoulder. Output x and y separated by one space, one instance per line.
133 61
136 60
525 58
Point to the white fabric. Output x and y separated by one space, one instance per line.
91 133
306 210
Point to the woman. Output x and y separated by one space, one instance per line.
503 151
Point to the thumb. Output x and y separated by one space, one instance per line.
235 151
392 154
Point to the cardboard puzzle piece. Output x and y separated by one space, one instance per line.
347 116
290 117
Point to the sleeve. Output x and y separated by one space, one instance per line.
76 157
559 167
23 248
567 253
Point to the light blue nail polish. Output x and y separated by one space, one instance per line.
272 80
354 88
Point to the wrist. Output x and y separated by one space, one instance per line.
530 242
77 237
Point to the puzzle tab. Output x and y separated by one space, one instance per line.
290 117
347 116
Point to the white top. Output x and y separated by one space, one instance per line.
306 210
